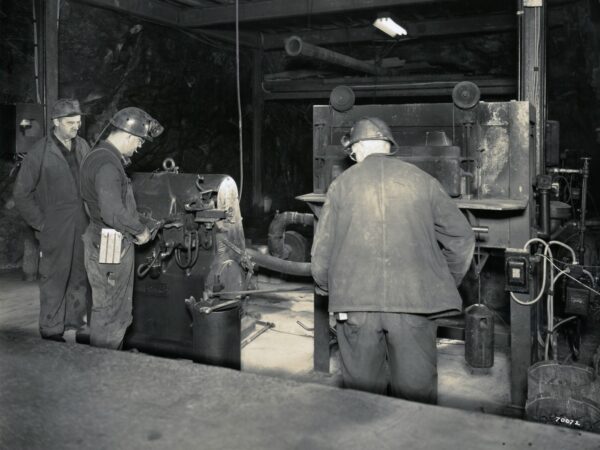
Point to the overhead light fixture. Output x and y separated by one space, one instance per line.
386 24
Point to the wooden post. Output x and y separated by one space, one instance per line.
532 77
50 55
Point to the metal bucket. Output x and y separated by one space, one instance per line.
479 336
216 336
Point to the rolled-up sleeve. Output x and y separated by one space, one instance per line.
453 232
324 240
112 210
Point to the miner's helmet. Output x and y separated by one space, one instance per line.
368 129
137 122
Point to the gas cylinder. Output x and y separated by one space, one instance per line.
479 336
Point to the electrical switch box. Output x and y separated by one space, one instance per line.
516 267
577 299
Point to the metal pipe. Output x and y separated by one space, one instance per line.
561 170
277 230
295 46
544 186
278 264
585 170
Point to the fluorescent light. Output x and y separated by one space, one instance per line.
388 26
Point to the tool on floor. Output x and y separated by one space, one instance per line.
220 306
265 326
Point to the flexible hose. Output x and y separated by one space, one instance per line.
278 264
278 226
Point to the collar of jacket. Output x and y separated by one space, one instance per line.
60 144
382 155
108 146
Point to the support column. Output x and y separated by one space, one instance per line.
258 103
50 55
532 64
532 88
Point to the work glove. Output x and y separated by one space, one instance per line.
143 237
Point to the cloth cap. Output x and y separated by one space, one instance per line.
65 107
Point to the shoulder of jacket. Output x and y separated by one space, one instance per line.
39 145
83 142
98 157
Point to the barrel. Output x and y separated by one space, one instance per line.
216 336
479 336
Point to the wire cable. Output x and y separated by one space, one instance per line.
239 96
575 279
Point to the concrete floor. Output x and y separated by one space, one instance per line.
287 348
284 351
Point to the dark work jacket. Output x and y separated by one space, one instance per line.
106 190
52 195
390 239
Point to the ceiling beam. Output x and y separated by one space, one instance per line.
388 87
278 9
151 10
446 27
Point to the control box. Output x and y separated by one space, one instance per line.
516 269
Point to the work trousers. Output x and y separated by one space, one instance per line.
64 290
112 291
378 349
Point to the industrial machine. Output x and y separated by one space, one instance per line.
198 251
485 155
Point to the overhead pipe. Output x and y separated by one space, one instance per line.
295 46
277 230
278 264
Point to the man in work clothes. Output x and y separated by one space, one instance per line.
107 192
390 249
46 193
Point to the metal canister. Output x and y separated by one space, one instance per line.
216 336
479 336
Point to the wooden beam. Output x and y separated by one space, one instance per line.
151 10
278 9
386 87
467 25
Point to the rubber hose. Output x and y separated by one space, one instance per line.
278 226
278 264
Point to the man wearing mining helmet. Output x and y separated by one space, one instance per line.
114 224
46 194
390 249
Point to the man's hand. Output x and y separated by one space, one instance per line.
143 237
321 291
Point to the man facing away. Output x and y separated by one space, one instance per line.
390 249
106 190
46 193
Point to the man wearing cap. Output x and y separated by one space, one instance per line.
46 193
390 249
107 192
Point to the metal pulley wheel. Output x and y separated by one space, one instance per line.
342 98
466 94
170 166
297 245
